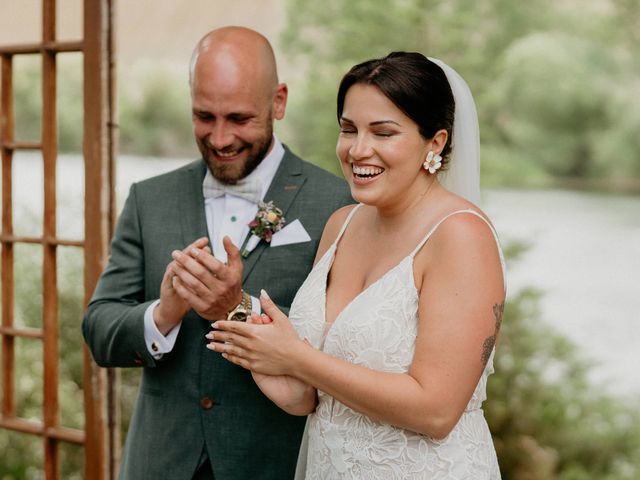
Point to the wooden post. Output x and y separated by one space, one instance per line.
49 260
6 136
101 412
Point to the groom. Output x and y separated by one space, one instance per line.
197 415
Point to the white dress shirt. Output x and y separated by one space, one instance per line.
226 215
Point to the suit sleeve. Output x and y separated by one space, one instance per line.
113 325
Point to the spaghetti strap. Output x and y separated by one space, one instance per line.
473 212
346 222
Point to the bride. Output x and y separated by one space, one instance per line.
391 338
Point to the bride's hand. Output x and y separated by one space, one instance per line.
269 384
289 393
265 348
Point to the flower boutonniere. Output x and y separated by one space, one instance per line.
268 221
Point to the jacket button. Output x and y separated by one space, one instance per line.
206 403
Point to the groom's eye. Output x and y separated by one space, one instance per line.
203 116
239 119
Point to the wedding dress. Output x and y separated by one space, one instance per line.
377 330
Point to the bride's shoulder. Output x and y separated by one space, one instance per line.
463 233
459 228
459 213
463 226
332 228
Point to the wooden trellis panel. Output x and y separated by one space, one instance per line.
100 435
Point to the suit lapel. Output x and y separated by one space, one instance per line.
283 190
191 204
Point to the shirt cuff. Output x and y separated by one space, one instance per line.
255 305
158 344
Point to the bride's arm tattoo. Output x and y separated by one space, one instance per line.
489 343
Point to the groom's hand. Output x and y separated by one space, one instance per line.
172 308
209 286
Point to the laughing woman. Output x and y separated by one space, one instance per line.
391 338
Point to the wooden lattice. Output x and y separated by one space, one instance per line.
99 436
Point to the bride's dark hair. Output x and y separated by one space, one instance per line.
415 85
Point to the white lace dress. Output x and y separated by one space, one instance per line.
378 330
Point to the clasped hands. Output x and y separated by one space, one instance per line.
196 280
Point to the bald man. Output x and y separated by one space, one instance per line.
175 267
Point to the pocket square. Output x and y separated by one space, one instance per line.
294 232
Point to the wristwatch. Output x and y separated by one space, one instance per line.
242 310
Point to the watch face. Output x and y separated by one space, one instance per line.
239 316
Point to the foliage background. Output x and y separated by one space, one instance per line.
556 87
554 81
555 84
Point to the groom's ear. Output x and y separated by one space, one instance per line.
280 101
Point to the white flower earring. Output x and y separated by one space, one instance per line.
433 162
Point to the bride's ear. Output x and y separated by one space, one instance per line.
438 141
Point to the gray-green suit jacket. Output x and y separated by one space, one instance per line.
192 398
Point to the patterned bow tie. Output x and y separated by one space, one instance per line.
249 190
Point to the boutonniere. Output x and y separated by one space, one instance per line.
268 221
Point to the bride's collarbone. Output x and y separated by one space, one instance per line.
355 267
369 250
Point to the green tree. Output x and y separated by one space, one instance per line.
155 112
326 39
553 91
554 82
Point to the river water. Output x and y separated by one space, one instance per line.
584 254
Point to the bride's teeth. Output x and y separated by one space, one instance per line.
367 170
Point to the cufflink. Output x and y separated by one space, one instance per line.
154 346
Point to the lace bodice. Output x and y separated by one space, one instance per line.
377 329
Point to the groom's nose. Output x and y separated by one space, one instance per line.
221 135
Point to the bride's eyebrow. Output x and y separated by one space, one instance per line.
371 124
382 122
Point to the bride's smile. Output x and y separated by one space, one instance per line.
364 173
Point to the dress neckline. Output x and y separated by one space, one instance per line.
334 246
332 251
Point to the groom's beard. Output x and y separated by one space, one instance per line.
232 172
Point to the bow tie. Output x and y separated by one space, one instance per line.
249 190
